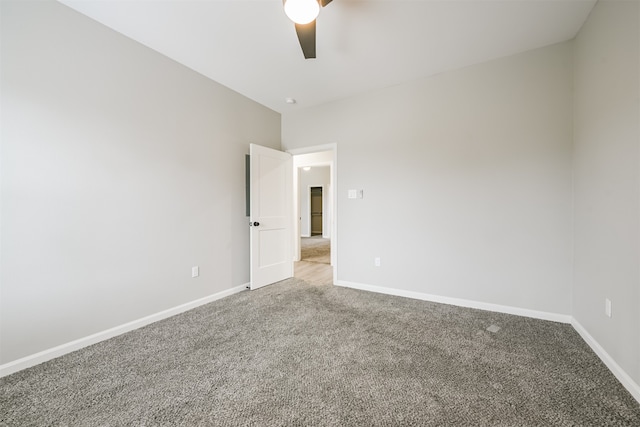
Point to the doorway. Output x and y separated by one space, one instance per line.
314 202
315 211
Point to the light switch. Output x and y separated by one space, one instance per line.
353 194
195 271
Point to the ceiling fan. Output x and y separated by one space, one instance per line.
304 13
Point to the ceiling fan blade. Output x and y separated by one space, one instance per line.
323 3
307 38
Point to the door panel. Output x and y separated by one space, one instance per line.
272 247
271 216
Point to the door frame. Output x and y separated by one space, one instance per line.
333 171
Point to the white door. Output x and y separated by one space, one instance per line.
271 208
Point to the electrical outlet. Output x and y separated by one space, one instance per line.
607 307
195 271
376 261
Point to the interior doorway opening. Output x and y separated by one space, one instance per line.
315 234
315 212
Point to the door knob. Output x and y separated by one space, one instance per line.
255 224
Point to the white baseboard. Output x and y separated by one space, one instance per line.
52 353
619 373
554 317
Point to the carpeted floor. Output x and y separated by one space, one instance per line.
315 249
298 354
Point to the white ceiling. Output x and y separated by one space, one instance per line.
251 46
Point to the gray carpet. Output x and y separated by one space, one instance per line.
297 354
315 249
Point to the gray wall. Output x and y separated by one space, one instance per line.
466 179
120 171
607 180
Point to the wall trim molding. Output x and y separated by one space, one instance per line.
52 353
624 378
543 315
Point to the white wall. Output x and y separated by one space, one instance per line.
466 179
318 176
120 171
607 180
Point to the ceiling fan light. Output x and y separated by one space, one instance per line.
301 11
